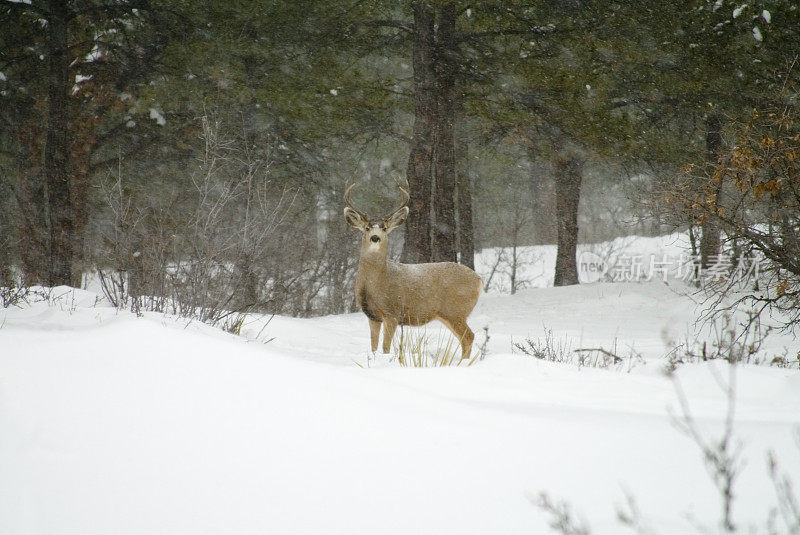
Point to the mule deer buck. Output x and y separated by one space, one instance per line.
395 294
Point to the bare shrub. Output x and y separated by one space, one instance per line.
723 461
787 509
202 256
561 517
509 264
560 350
509 268
733 342
546 348
13 295
483 347
722 455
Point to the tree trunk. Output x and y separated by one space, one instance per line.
31 238
79 190
417 246
444 213
56 152
514 265
568 175
82 130
710 238
542 211
466 231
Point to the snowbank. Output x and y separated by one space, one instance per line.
118 424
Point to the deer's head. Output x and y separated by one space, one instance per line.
375 231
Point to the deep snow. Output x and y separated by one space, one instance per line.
117 424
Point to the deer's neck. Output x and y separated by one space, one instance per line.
372 260
372 267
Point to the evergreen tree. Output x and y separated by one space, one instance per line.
73 67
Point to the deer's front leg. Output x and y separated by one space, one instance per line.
374 331
389 326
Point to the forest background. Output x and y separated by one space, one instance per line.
194 155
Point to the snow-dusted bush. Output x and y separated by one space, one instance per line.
732 342
550 349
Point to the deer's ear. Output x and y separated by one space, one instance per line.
397 218
354 219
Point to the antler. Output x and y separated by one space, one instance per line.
349 202
404 200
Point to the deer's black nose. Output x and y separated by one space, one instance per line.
375 239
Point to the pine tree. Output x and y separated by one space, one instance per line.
73 66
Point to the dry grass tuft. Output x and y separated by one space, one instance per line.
417 348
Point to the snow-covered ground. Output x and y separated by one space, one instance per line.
111 423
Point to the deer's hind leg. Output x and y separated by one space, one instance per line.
464 334
374 332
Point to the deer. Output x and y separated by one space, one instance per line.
391 294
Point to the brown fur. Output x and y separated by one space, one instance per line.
392 294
